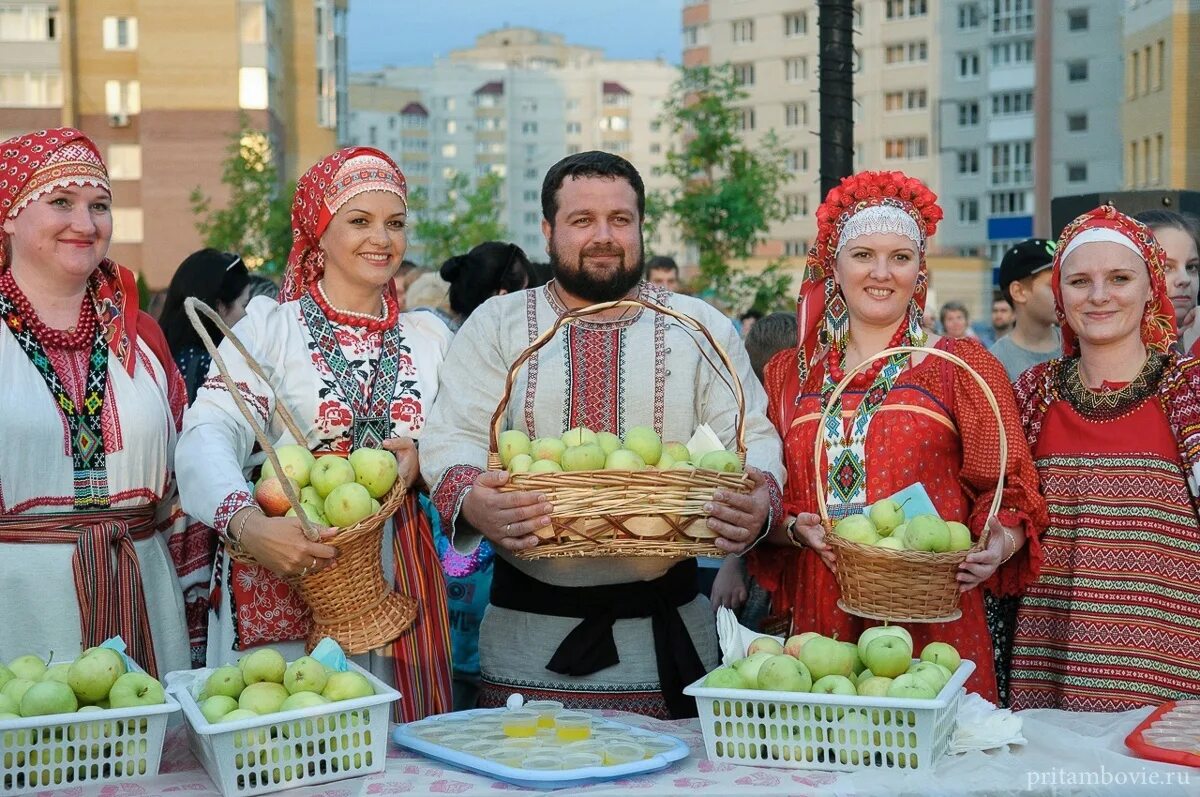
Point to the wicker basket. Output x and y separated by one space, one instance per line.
626 513
352 603
901 586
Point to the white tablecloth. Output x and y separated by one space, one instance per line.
1067 754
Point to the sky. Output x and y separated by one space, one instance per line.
414 32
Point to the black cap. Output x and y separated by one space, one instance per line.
1025 259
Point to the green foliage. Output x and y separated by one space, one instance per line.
256 221
465 218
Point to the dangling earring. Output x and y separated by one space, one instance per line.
837 315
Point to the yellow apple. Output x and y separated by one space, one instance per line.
348 504
375 469
510 443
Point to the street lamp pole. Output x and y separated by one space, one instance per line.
835 26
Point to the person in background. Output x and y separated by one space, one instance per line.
662 271
431 293
220 280
1025 282
956 321
1002 317
409 273
748 319
263 286
1180 240
493 268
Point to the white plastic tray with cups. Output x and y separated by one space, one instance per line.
290 748
539 745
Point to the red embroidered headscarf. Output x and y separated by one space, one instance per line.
35 164
320 192
1158 322
819 295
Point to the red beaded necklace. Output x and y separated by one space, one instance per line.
865 378
372 323
81 336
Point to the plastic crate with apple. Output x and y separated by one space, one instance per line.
288 749
94 747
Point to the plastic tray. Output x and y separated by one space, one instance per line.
537 779
801 730
116 744
1144 747
289 749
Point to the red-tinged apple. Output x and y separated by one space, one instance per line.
92 675
960 536
271 497
264 664
865 637
782 673
911 687
329 473
510 443
30 667
297 462
927 533
578 436
886 515
943 654
888 656
225 681
521 463
645 442
48 697
794 643
824 656
856 528
875 686
237 715
347 505
547 448
305 674
136 689
624 459
346 686
721 461
545 466
748 667
725 678
765 644
217 706
678 451
263 697
375 469
586 456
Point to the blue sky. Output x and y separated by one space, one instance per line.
413 32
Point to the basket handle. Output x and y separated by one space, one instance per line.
572 316
819 438
193 307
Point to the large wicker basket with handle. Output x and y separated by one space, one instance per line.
901 585
351 603
626 513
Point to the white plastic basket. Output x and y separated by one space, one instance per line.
800 730
116 744
289 749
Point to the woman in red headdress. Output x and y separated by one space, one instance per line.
355 372
92 404
906 419
1113 622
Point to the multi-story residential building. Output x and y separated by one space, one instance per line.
514 104
162 87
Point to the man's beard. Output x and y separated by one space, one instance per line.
579 281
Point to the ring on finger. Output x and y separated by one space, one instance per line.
304 572
507 528
313 566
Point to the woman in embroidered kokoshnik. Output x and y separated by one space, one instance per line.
1112 622
906 419
343 359
92 405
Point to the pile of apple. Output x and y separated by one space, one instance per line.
886 527
880 664
334 491
264 683
581 449
97 680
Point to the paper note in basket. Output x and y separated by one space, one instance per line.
915 501
330 654
118 644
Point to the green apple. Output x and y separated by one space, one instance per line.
665 461
136 689
297 462
510 443
886 515
725 678
30 667
794 643
834 685
586 456
375 469
8 705
305 674
226 681
548 448
348 504
521 463
217 706
912 687
888 656
578 436
678 451
311 512
748 667
782 673
264 664
239 714
92 675
862 676
330 472
765 644
545 466
57 672
303 700
48 697
899 535
943 654
608 442
933 674
15 689
87 709
875 686
721 461
645 442
865 637
890 543
960 536
264 697
824 656
6 675
309 495
347 686
857 665
624 459
856 528
927 533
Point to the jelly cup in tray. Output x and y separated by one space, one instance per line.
1171 734
544 747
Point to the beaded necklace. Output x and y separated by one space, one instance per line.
348 318
1107 404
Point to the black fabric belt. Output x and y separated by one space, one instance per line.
590 647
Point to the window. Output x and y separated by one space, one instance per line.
1011 53
127 225
252 88
655 148
1160 61
447 103
1146 158
614 123
28 23
1077 19
1012 163
1077 71
1007 203
742 31
490 123
1012 103
1131 76
531 217
449 172
1154 65
795 248
120 33
528 105
449 150
529 128
124 161
1077 122
795 204
124 97
968 65
619 99
968 210
531 174
906 52
968 114
1076 172
795 70
970 16
1158 158
907 100
574 128
1147 70
27 89
795 24
531 196
909 148
795 114
968 162
796 161
904 9
615 146
450 126
573 104
254 23
743 74
1133 163
746 119
489 147
1012 16
691 36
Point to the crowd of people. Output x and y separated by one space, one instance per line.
125 479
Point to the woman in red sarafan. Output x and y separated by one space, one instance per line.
904 420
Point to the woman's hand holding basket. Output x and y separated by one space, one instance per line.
279 544
978 567
737 518
507 519
408 465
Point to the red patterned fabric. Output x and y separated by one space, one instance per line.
593 361
935 426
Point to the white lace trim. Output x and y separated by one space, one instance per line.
63 182
1098 235
880 219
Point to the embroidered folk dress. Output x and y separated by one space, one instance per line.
1113 622
217 454
644 369
934 427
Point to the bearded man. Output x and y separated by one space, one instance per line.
615 633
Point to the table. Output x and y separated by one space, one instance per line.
1067 754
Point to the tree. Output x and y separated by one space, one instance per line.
256 221
727 193
465 218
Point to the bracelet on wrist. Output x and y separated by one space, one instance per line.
790 530
235 537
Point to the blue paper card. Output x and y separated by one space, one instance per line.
330 654
914 500
118 644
